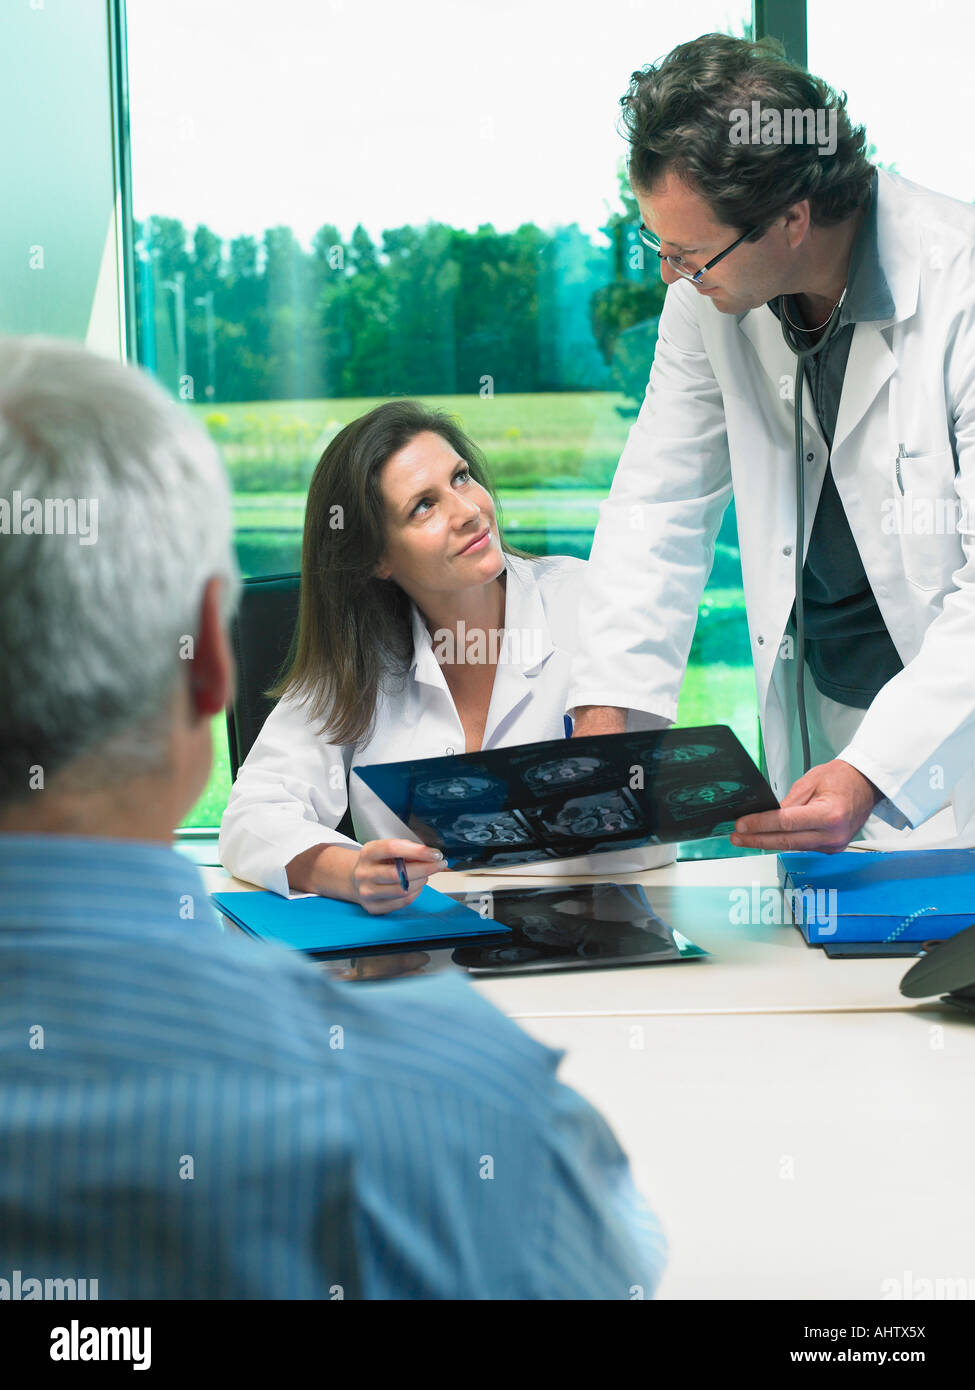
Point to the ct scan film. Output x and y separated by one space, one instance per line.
568 797
592 924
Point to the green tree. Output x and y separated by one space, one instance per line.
631 303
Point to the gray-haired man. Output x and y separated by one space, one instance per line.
184 1113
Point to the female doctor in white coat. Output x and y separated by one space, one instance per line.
421 633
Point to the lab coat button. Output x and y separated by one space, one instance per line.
761 641
810 457
448 750
787 550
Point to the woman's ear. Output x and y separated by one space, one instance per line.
380 570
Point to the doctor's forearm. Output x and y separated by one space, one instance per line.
598 719
324 869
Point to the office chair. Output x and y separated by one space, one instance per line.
262 636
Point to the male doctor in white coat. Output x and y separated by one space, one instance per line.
878 275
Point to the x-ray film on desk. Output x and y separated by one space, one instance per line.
568 797
579 925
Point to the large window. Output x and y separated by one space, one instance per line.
335 203
909 81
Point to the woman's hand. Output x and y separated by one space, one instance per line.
384 967
374 882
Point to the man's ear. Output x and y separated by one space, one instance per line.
212 675
798 219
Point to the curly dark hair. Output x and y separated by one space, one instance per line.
677 117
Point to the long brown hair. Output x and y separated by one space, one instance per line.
354 630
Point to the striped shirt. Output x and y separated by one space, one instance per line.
185 1113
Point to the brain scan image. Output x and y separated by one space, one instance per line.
538 927
466 787
678 754
562 772
692 801
490 828
607 812
685 754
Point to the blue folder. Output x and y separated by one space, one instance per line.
327 924
904 895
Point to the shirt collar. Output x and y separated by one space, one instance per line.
527 642
868 297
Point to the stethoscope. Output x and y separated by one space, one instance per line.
802 356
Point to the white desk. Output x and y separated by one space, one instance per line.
751 968
791 1156
801 1130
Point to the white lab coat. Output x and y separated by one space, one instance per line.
717 418
293 787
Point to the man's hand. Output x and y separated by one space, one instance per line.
598 719
823 811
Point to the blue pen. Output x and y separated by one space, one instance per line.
403 879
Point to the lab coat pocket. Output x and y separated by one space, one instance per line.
925 518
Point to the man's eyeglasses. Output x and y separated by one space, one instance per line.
684 267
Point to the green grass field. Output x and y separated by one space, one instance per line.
552 458
570 438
